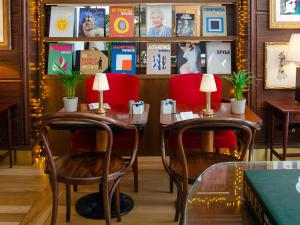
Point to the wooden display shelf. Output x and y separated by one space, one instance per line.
141 39
109 2
140 76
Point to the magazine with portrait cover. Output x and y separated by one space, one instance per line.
193 10
185 24
62 21
121 21
188 58
218 57
91 22
158 58
159 21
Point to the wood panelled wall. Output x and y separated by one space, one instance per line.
259 34
17 70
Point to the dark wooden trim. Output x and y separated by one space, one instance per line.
97 2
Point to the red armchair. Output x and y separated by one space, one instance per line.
122 88
185 90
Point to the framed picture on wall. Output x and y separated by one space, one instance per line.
5 43
284 14
279 74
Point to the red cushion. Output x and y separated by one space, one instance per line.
184 88
122 88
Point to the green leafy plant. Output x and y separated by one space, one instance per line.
70 80
240 80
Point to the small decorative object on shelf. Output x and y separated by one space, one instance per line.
168 106
208 85
101 84
240 80
70 80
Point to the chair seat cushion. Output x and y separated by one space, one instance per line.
85 139
191 139
197 163
86 167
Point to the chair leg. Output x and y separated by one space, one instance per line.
117 203
68 202
75 188
178 204
135 175
54 188
171 185
182 210
106 203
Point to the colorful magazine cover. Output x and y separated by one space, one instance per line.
188 58
185 24
123 58
91 22
62 21
214 21
158 58
92 62
121 21
159 21
60 55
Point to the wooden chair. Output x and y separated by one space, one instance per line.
85 168
123 87
185 168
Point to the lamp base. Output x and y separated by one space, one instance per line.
101 111
208 112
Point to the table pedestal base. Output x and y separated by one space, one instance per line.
91 205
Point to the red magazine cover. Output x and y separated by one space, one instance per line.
121 22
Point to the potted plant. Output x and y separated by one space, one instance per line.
240 80
70 80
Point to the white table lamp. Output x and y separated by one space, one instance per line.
208 85
293 55
100 84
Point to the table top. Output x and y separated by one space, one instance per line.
220 201
221 111
5 104
285 106
119 112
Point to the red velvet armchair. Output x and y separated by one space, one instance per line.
122 88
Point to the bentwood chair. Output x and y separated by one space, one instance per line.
187 166
184 88
123 88
88 167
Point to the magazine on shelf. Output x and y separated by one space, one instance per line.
121 21
123 58
185 24
159 21
91 22
214 22
188 58
92 62
192 10
218 57
62 21
158 58
60 55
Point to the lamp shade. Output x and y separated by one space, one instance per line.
293 53
100 82
208 83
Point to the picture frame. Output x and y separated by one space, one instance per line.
279 74
284 14
5 26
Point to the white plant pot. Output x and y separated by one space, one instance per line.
238 106
70 104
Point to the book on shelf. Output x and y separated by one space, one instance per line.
185 24
272 196
121 21
188 58
91 22
92 61
60 55
214 21
194 12
62 21
158 58
123 58
159 21
218 57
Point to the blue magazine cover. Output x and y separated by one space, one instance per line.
91 22
123 58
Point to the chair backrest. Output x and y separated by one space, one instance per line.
184 88
122 88
60 120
